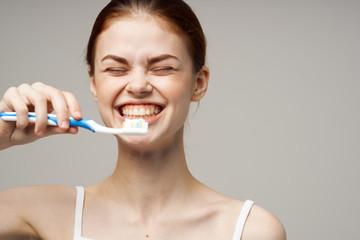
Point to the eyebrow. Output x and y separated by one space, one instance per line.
161 58
151 60
115 58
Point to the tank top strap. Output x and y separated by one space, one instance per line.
244 213
79 212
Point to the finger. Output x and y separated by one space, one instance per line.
58 102
55 130
73 105
14 102
39 87
4 107
39 101
27 135
50 107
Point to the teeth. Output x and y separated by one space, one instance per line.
137 111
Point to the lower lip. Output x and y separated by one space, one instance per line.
148 120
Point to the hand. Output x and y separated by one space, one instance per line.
42 99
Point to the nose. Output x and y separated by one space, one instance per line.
139 85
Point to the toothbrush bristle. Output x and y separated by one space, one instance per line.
134 123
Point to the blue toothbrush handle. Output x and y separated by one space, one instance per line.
81 123
73 122
11 116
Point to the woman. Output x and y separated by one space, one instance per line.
143 56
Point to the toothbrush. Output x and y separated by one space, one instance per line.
134 127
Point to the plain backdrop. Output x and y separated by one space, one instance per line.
280 123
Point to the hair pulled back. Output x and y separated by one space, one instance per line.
177 15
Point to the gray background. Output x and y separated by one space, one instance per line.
279 124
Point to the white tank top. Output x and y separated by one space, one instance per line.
244 213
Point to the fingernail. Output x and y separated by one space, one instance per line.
40 133
77 114
73 130
65 124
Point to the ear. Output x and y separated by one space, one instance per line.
92 84
201 84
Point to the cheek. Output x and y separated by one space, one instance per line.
108 89
177 89
178 92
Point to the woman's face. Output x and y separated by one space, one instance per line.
143 71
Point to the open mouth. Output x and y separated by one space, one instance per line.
144 111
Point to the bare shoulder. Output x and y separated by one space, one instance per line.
261 224
28 209
37 195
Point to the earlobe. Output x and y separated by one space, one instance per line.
92 85
93 89
201 84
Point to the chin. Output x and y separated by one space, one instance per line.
135 142
148 142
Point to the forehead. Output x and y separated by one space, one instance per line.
140 36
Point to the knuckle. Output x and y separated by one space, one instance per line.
52 92
24 85
10 91
58 92
69 94
37 84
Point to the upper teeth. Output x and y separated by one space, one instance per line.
144 111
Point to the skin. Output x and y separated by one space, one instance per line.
151 191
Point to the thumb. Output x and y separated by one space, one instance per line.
50 130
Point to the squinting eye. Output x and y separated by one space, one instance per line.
116 70
163 69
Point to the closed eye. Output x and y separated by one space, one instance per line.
163 70
116 71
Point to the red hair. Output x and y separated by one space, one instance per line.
176 14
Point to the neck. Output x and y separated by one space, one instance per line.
151 182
